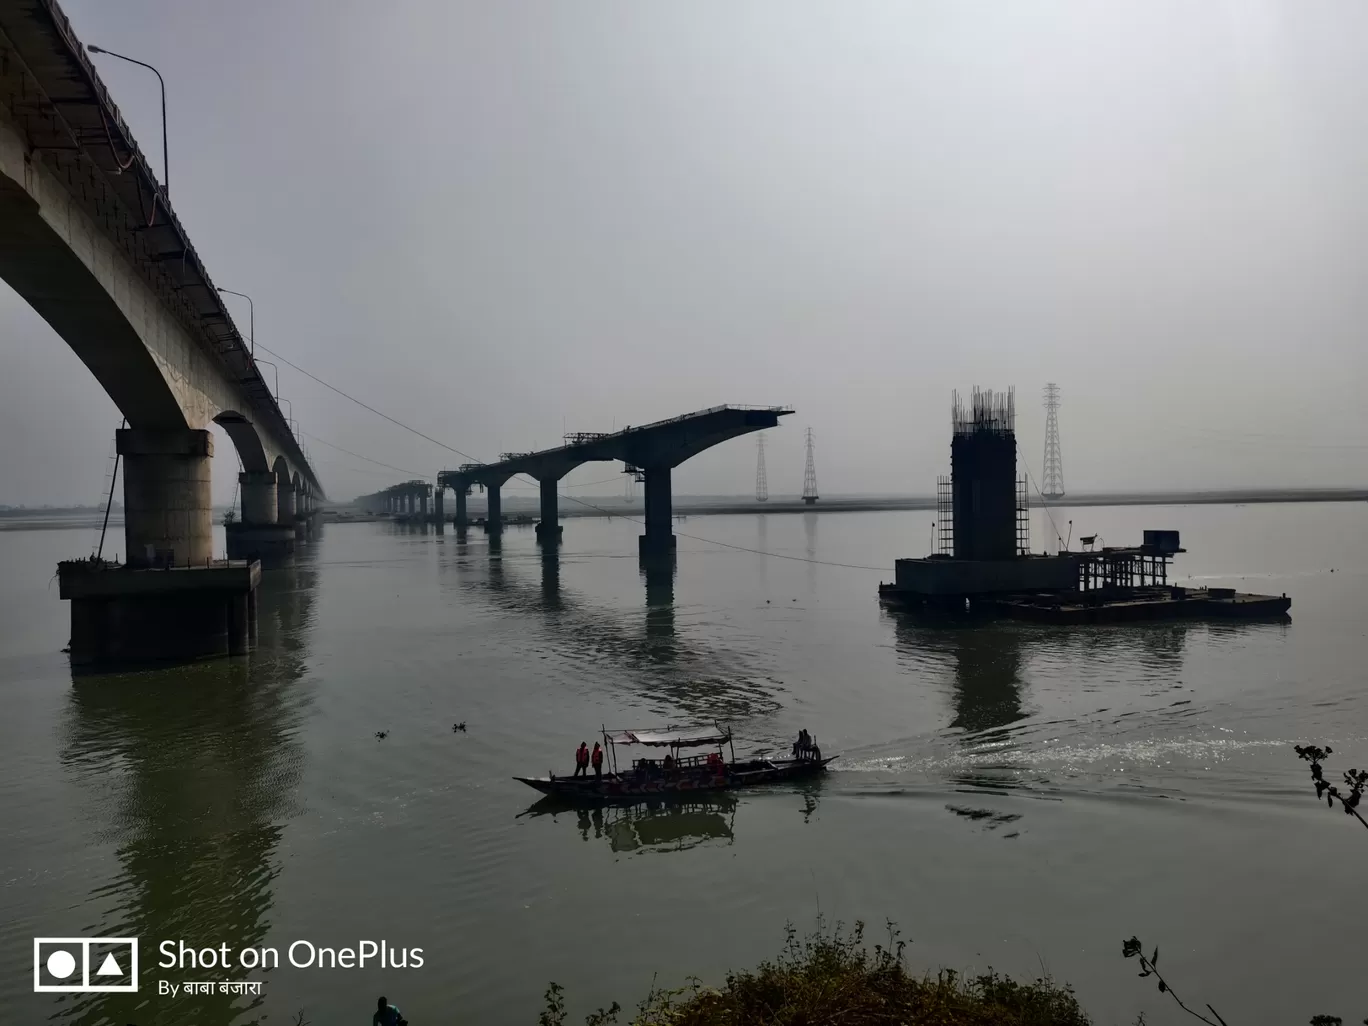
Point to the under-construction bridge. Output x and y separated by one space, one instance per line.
650 451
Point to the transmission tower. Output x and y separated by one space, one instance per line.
761 482
1052 485
809 474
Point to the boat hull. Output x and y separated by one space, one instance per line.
612 787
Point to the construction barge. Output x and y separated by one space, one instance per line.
983 563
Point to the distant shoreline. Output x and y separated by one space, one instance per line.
701 506
683 506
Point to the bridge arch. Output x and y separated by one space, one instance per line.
246 441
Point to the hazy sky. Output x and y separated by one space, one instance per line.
499 221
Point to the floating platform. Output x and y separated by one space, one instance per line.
127 615
1172 603
1121 606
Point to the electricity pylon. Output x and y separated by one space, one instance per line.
809 474
1052 482
761 481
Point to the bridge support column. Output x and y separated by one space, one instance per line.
301 516
549 529
658 540
462 517
168 602
439 507
494 508
258 535
258 496
285 501
168 511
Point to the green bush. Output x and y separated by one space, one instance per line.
833 977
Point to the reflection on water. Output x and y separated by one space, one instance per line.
704 679
660 610
985 659
199 765
650 826
550 582
987 693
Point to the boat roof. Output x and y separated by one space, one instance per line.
680 737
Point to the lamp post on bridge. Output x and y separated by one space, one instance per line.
251 316
166 169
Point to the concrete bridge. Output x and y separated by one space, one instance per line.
409 498
89 239
650 451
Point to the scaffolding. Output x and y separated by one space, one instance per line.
1113 569
945 516
1023 518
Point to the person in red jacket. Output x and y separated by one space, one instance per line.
597 759
582 760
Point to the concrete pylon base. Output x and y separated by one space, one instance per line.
550 534
122 615
272 544
649 548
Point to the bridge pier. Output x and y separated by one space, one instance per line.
170 601
285 500
168 510
258 535
301 514
462 517
439 507
658 540
549 530
493 508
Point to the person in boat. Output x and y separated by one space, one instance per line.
582 759
668 764
387 1014
596 758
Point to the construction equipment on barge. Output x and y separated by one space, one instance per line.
984 563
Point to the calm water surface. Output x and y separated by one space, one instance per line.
1013 796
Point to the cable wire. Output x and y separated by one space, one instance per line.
378 463
366 406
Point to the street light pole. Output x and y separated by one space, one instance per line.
251 316
166 168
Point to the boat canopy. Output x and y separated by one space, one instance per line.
674 737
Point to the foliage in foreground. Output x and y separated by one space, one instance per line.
834 978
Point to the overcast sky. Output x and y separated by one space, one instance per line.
499 221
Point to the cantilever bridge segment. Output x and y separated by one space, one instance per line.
651 451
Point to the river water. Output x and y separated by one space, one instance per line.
1012 796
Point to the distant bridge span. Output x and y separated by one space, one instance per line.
651 451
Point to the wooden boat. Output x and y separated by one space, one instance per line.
677 774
